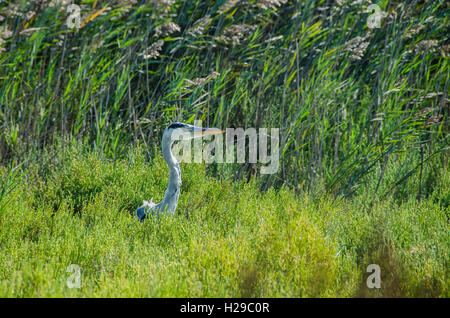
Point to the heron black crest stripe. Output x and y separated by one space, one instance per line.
176 125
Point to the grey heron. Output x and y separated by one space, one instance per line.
172 133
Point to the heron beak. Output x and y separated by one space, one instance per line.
212 131
200 131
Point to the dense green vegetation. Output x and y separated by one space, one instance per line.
226 240
363 176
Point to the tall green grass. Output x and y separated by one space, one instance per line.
349 100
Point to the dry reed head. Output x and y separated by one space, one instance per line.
200 26
153 51
167 29
270 4
228 5
357 47
162 5
234 34
413 31
425 46
202 80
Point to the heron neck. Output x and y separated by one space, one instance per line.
170 201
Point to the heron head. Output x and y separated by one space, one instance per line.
181 131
